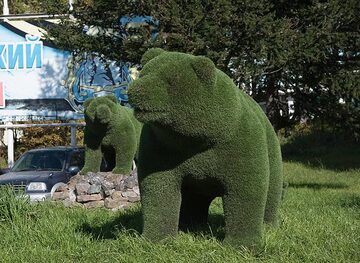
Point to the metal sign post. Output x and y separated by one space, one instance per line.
6 8
10 144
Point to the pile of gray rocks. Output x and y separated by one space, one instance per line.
112 191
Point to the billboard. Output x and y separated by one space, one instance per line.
40 81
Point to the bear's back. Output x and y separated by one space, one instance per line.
243 106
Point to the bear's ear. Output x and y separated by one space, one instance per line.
150 54
112 98
205 69
87 102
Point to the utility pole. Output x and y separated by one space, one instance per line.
6 8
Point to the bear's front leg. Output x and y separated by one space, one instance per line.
160 201
244 207
93 154
92 160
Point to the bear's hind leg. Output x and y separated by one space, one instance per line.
275 181
194 209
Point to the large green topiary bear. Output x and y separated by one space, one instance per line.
110 129
203 138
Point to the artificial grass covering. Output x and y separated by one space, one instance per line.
111 130
202 138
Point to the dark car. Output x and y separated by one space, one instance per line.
38 173
4 170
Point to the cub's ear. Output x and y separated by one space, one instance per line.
150 54
87 102
205 69
112 98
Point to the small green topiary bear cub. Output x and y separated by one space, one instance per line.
110 129
203 138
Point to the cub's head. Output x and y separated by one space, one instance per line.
100 110
175 90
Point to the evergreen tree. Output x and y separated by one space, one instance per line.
33 6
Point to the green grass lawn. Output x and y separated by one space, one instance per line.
320 222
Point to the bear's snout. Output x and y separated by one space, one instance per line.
148 93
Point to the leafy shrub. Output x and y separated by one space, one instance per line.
320 146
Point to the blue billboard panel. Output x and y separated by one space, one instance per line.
41 82
21 55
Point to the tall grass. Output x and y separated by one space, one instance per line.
320 222
13 209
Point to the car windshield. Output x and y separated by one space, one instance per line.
40 161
